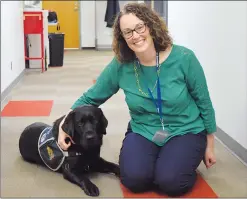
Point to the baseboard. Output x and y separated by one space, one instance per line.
104 47
237 149
5 93
87 48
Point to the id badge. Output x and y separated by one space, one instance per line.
160 136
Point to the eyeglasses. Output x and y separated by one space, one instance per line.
140 28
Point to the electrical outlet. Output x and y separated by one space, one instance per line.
11 65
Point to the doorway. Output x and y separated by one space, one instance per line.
68 14
160 7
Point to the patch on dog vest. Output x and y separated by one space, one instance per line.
49 150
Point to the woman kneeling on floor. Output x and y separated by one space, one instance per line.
172 117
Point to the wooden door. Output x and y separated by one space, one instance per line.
68 18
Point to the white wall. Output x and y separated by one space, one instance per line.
103 33
93 24
217 32
12 42
87 23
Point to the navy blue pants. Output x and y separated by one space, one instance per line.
171 168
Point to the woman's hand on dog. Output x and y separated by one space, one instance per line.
63 137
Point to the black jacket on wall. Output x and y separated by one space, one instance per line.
112 10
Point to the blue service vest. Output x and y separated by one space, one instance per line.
49 150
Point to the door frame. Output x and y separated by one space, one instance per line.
79 25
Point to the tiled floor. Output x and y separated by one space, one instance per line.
64 85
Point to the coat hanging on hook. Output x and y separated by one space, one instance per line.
112 10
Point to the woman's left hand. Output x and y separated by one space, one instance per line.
209 158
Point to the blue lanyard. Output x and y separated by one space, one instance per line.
158 102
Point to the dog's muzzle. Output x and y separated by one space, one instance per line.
90 135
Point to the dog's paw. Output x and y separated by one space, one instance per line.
90 189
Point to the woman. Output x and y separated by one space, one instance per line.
172 117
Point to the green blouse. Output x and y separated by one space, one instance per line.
186 103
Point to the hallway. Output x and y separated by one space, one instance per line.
63 85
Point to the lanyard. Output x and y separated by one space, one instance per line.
157 103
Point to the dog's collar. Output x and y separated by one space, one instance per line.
68 154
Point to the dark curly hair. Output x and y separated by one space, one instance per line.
153 21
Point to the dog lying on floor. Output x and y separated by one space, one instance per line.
86 125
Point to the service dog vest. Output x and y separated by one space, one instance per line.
49 150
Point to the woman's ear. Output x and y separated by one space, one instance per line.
68 125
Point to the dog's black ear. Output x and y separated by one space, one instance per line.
68 125
103 123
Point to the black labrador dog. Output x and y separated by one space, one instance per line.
86 125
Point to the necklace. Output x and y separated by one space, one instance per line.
138 82
158 101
